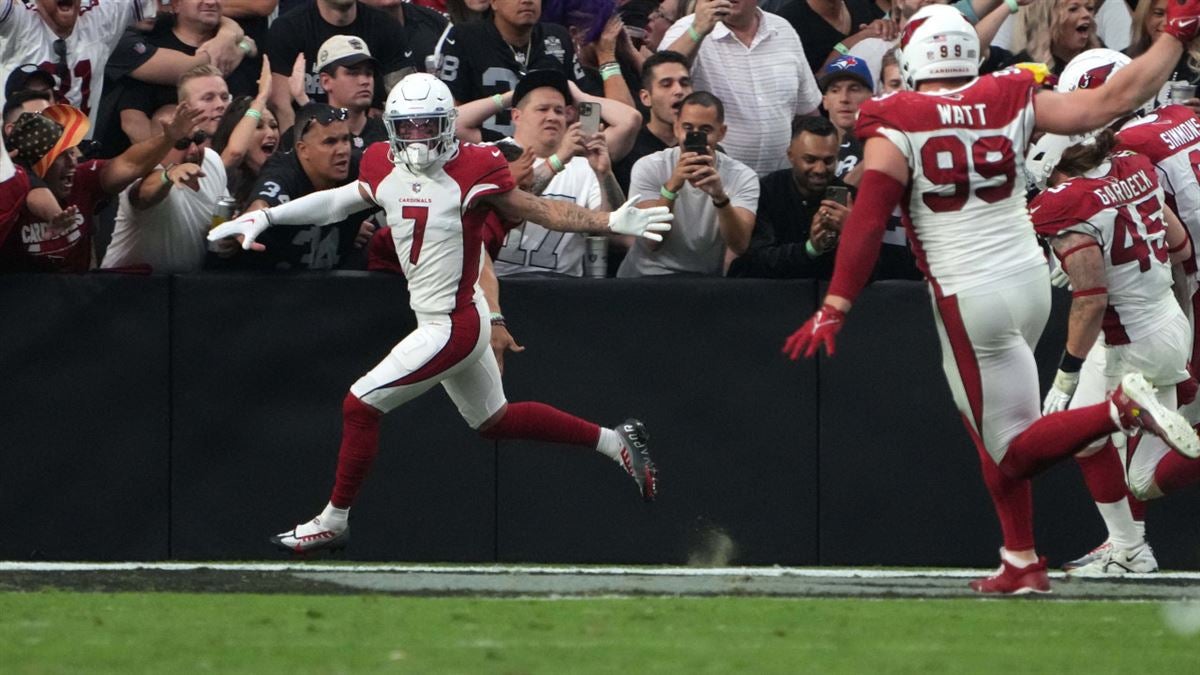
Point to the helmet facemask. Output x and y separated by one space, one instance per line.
419 141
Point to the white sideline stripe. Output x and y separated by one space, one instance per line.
497 570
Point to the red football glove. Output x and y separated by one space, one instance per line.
1183 19
818 330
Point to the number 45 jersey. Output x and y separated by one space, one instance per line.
1119 204
436 220
965 207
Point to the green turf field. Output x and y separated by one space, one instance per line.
55 631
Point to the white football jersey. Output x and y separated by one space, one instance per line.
436 222
1170 137
530 247
25 38
965 209
1119 204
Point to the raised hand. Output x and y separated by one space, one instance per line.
248 227
820 330
647 223
186 175
185 119
296 81
1183 20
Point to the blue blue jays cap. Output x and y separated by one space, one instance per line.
846 67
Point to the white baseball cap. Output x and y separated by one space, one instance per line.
343 50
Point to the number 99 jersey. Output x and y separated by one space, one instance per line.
965 209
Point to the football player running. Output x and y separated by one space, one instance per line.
951 152
1123 249
436 193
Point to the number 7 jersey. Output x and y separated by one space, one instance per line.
965 206
437 223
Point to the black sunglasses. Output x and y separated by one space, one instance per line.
198 138
324 116
61 69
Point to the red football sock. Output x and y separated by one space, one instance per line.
1137 507
1011 497
535 421
1055 436
360 445
1185 392
1175 472
1104 475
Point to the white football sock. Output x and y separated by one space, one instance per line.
610 444
1021 560
1122 529
334 518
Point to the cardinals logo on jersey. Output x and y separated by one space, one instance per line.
1096 76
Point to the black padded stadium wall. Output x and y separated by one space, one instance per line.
190 417
84 417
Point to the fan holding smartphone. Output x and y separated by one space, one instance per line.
712 195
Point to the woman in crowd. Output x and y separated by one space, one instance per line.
1148 19
246 137
1054 32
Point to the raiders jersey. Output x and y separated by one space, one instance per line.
965 209
437 223
1170 137
476 62
1119 204
25 38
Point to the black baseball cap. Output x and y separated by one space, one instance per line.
18 79
536 79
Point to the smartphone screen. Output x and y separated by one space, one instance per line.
589 118
838 194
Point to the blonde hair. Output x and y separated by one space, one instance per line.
196 73
1140 40
1036 25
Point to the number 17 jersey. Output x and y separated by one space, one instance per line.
965 206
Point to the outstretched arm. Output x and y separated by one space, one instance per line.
564 216
1084 110
1083 260
317 208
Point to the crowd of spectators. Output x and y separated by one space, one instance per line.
131 126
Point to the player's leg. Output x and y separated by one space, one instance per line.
479 394
969 377
422 359
1103 473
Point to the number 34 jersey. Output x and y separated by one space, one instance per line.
436 220
1119 204
965 208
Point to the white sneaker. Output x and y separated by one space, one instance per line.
312 536
1098 553
1119 562
1137 409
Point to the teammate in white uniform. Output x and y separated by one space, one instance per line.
70 39
951 152
436 194
1107 222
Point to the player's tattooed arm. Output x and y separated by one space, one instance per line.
551 214
1084 263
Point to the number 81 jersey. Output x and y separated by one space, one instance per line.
965 207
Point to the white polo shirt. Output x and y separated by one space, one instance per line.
169 236
762 86
694 244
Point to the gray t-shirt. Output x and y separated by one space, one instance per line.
694 244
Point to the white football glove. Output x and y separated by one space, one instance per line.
249 225
1058 276
1060 392
646 223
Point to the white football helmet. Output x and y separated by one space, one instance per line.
938 43
419 115
1088 70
